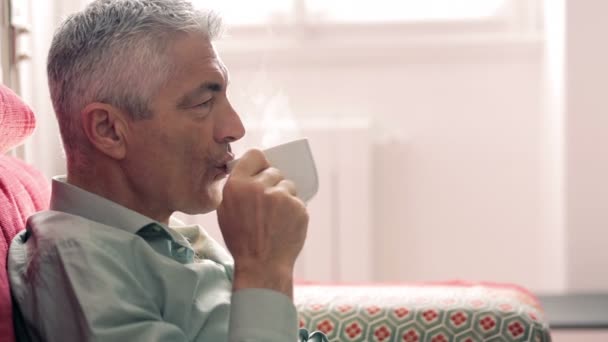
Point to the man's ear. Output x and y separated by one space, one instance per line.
106 128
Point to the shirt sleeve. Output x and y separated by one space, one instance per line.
80 291
262 315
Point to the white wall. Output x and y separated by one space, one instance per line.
586 118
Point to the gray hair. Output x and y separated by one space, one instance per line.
115 52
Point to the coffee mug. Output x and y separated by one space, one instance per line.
295 161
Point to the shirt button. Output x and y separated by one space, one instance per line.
156 228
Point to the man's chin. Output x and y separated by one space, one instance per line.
206 205
204 201
199 210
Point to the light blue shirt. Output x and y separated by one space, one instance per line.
90 269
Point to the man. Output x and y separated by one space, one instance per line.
140 96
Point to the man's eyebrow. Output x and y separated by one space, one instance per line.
207 86
226 74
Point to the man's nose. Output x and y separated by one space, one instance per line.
229 128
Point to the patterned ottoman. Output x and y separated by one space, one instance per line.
438 312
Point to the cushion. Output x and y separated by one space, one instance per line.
17 120
23 191
449 311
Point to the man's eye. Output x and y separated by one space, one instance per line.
205 104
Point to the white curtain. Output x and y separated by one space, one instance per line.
40 18
5 46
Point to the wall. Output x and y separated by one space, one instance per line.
586 117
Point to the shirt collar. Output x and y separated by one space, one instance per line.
73 200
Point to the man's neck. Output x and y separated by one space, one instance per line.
112 184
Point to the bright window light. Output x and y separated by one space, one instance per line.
403 10
247 12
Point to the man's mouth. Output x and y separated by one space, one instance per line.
223 162
223 168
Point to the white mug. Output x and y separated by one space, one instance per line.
295 161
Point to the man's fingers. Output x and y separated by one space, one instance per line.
250 164
254 164
269 177
288 186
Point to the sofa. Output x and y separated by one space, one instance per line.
23 191
453 311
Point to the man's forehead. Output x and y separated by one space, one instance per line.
220 64
189 47
196 52
224 69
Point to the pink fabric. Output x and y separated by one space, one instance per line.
23 191
17 120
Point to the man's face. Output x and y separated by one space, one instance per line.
177 158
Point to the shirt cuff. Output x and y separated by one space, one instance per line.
262 315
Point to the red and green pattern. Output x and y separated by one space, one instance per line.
421 313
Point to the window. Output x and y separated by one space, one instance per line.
404 10
245 12
251 23
288 30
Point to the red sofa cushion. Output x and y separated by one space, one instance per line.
17 120
23 191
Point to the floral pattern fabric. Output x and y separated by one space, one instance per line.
422 313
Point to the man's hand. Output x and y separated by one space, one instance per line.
263 223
